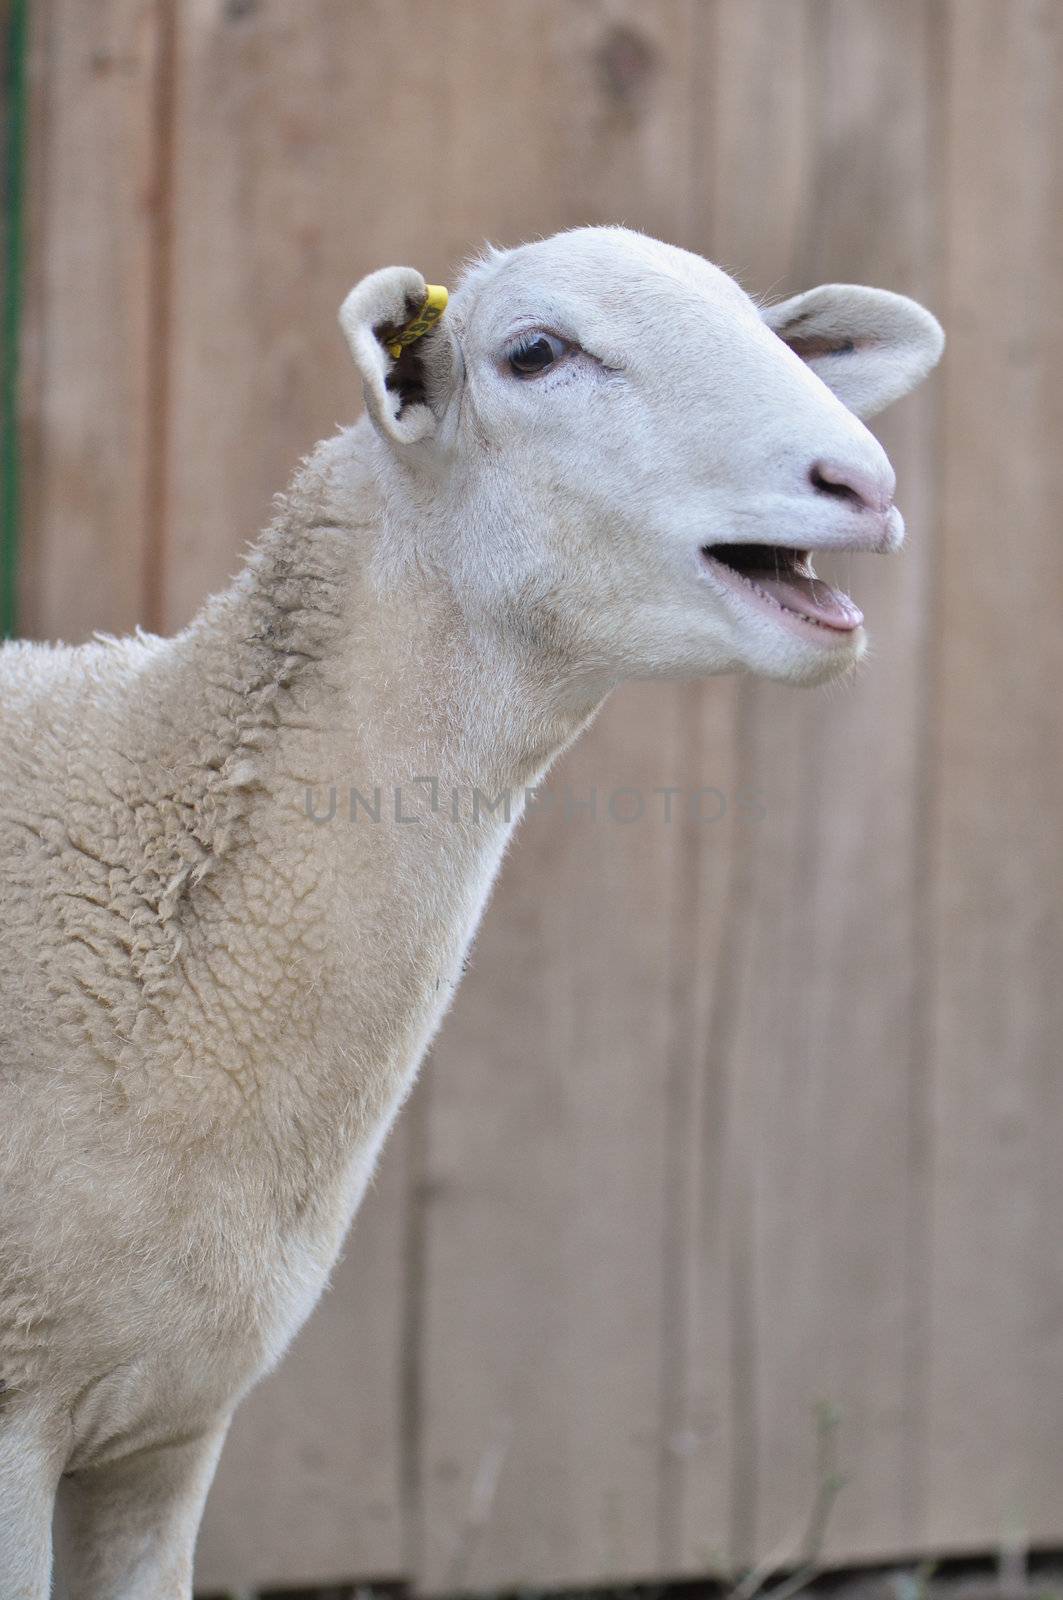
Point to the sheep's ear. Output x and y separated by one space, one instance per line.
407 360
868 346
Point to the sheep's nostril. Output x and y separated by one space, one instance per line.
866 490
824 485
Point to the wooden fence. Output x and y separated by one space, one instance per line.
731 1117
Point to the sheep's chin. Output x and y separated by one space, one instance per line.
770 652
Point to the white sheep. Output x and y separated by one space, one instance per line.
601 463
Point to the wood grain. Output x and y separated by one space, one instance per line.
996 1285
279 207
824 1046
87 337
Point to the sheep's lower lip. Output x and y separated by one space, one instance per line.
784 578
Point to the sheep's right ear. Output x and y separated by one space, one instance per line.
405 393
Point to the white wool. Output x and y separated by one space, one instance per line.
212 1004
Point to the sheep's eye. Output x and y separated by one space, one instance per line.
535 354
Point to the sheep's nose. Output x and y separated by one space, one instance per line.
867 488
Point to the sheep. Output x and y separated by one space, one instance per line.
604 461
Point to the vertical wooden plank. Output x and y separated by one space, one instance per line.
547 1095
549 1133
698 1445
817 1044
281 201
13 120
854 1340
749 209
996 1450
87 336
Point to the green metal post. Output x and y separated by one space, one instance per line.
14 166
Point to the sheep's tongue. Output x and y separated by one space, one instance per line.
810 597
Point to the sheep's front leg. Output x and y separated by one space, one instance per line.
128 1529
28 1473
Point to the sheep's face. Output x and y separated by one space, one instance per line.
621 457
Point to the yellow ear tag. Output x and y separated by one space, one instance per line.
434 306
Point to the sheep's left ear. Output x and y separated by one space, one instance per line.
869 346
407 358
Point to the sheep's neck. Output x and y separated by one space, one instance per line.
380 792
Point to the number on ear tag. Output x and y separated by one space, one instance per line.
434 306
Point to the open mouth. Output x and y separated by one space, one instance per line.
784 578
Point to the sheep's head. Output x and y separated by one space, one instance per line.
615 453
